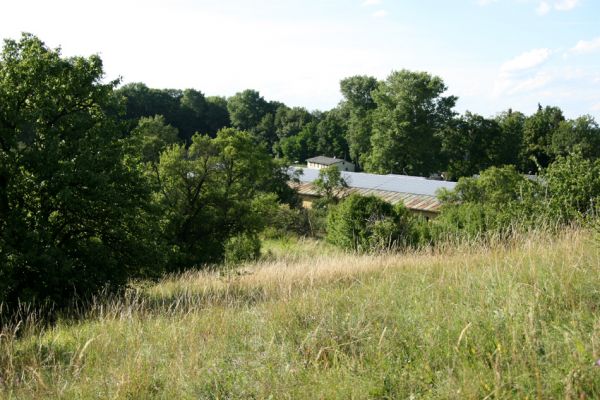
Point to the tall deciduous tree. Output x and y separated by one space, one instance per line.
73 212
537 136
359 104
411 111
246 109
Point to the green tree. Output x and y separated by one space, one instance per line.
209 193
330 184
581 135
512 124
538 131
359 104
246 109
473 143
74 213
151 136
411 111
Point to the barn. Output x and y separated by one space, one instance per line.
418 194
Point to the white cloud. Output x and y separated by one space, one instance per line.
566 5
545 6
596 107
538 81
586 46
380 14
528 60
520 73
368 3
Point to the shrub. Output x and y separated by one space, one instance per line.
242 248
368 223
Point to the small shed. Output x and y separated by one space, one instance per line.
322 162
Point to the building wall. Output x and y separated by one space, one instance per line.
342 166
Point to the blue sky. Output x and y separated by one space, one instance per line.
492 54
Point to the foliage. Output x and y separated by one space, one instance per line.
368 223
473 143
359 104
538 131
74 213
187 110
246 109
242 248
330 184
572 188
151 136
212 191
411 111
581 135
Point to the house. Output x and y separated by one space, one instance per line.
322 162
418 194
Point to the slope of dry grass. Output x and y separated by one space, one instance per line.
516 320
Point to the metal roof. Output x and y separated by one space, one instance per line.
388 183
414 202
416 193
324 160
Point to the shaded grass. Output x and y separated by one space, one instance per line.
517 320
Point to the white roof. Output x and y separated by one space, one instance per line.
390 183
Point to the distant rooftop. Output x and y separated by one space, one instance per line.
388 183
415 192
324 160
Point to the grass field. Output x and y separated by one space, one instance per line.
517 320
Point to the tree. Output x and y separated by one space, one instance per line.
581 135
537 136
151 136
330 184
359 104
246 109
410 113
512 125
330 135
74 213
210 192
473 143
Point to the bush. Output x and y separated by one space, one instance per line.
242 248
369 223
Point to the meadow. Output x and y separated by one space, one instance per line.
515 318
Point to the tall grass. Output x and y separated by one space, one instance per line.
514 318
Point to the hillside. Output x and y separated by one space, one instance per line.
513 321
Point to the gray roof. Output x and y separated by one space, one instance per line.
324 160
389 183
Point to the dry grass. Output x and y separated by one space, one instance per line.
508 320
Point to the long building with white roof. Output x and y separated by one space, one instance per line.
417 193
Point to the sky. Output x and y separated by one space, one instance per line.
492 54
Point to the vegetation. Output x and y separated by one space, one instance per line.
106 190
516 320
75 213
368 224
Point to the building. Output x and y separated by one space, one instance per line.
322 162
418 194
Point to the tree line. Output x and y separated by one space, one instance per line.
405 124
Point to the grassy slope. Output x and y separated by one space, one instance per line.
470 323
